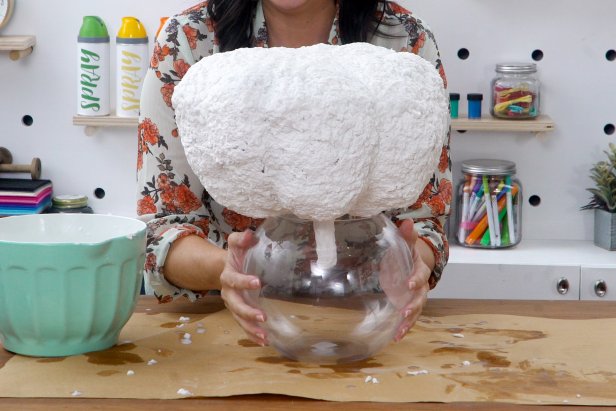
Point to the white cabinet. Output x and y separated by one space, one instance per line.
534 270
509 282
598 283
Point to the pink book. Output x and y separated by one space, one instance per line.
15 199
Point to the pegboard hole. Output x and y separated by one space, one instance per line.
99 193
537 55
534 200
609 129
463 53
27 120
610 55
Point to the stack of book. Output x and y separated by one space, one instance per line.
22 196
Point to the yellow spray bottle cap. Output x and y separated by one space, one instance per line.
132 31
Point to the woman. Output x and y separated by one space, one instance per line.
196 244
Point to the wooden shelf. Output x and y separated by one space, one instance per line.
92 123
17 46
105 121
538 125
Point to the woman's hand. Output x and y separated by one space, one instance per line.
418 281
233 284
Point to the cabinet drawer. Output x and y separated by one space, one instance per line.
598 283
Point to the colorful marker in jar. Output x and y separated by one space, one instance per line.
489 211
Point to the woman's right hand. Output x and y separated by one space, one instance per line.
234 283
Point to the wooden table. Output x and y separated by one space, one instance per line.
436 307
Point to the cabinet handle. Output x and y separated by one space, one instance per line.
600 288
562 286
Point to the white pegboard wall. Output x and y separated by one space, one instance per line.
578 93
578 84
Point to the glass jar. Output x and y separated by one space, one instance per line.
515 91
70 204
331 294
489 205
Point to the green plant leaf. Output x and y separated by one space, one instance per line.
603 174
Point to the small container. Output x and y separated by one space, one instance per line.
474 105
454 103
70 204
489 205
515 91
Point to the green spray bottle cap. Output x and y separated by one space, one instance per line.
93 30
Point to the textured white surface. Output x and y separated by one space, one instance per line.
325 239
318 132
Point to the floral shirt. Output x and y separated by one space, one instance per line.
170 197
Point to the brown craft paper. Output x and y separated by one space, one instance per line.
444 359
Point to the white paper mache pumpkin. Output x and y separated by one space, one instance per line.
317 132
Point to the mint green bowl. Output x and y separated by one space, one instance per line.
68 282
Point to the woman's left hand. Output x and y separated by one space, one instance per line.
417 283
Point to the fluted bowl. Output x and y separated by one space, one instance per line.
341 310
68 282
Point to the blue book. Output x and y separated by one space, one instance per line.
25 209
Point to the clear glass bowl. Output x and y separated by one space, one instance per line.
342 313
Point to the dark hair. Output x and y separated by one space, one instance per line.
233 18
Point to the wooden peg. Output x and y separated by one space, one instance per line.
19 54
90 130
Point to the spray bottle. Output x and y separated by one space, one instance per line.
132 63
163 20
93 68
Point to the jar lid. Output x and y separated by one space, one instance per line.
474 96
516 68
70 201
489 167
454 96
